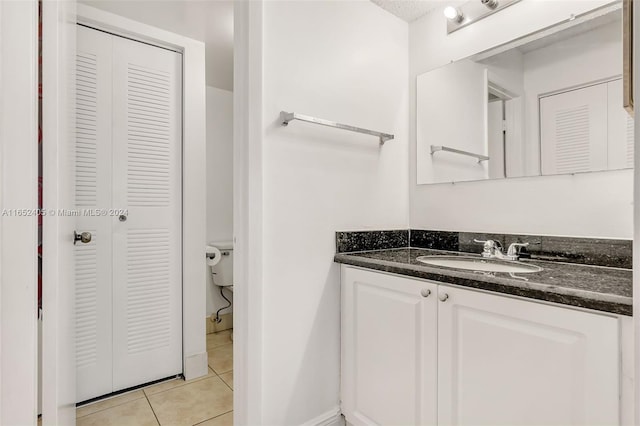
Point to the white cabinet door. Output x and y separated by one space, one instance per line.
503 361
573 131
388 349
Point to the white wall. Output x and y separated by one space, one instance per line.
591 205
343 61
219 180
507 70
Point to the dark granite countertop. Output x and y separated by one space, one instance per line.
595 287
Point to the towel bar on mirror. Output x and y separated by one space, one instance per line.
480 157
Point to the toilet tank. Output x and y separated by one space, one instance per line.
223 272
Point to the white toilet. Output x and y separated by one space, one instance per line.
220 261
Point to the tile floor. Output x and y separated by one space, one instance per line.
206 401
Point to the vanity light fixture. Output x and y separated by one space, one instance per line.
473 11
453 14
491 4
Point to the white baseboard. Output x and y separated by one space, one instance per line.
330 418
196 366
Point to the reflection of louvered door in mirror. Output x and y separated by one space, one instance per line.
586 129
573 131
128 156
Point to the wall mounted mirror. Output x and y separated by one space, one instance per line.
545 104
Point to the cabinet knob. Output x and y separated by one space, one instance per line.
425 292
443 297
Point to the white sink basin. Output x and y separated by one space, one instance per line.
479 264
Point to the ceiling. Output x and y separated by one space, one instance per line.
210 21
408 10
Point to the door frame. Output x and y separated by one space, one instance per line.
248 136
636 217
58 121
19 190
194 352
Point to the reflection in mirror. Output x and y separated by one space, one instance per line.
550 103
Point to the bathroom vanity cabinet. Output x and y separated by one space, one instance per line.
416 352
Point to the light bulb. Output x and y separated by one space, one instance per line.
453 14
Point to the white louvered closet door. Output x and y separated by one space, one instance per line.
573 131
128 156
93 191
147 247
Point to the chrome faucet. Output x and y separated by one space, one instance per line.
493 250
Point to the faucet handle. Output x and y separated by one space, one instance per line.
489 243
490 247
514 248
492 242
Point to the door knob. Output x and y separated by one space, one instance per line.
425 292
84 237
443 297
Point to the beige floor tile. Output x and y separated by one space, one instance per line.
85 410
192 403
221 358
223 420
174 383
163 386
133 413
218 339
228 378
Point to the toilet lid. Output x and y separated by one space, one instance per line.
222 244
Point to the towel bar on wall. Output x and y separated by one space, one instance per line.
436 148
286 117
